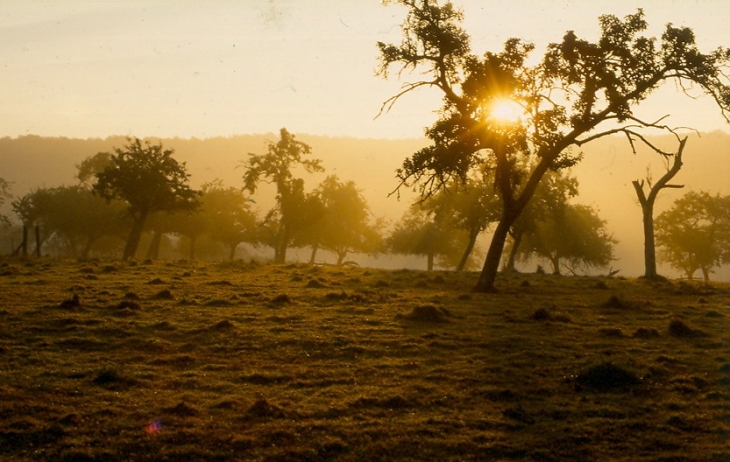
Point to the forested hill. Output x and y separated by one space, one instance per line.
605 174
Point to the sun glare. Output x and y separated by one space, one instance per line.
506 111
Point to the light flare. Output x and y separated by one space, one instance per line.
506 111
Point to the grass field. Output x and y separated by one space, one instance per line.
188 361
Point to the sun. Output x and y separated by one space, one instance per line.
506 111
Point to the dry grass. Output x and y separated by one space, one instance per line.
191 361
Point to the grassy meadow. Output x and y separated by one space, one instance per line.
191 361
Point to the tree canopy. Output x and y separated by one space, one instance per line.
344 225
694 234
578 92
572 237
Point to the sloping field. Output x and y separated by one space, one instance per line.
111 361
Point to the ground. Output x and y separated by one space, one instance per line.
176 361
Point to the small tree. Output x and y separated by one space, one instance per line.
276 166
574 234
694 234
421 233
148 179
344 225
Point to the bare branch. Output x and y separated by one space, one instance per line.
408 87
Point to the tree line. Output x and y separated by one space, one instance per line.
141 190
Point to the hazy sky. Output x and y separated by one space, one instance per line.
209 68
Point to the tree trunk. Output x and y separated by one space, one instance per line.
193 241
281 246
130 249
494 255
232 254
516 241
37 241
341 258
153 251
555 261
473 234
430 262
87 248
24 244
315 247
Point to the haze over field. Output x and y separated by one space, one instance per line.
605 175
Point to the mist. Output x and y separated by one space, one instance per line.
604 177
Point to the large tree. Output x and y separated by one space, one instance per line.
148 179
694 234
578 92
277 167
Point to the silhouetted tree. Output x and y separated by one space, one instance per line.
579 92
573 234
276 166
647 207
148 179
694 234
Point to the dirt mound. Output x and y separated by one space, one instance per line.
262 409
607 377
426 313
681 330
71 304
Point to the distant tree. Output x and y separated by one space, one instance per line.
647 207
229 217
550 200
575 236
277 167
579 92
344 225
148 179
31 209
79 219
694 234
470 206
421 233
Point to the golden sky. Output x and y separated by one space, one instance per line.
184 68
